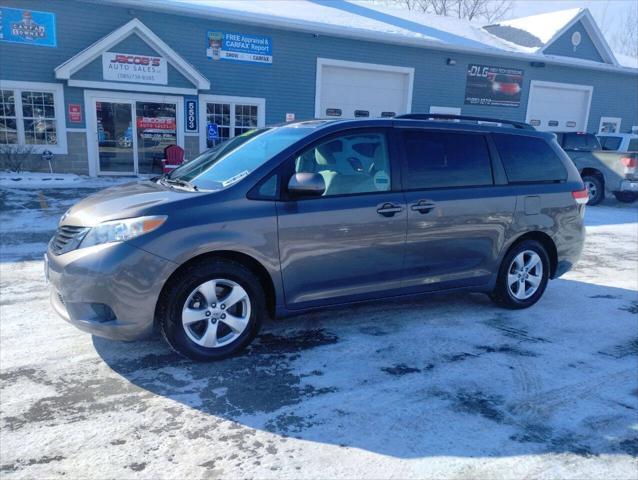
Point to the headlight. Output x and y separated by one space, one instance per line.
121 230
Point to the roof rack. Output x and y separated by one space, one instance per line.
446 116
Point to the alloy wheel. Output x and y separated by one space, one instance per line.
525 275
592 189
216 313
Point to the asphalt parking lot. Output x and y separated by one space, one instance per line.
443 387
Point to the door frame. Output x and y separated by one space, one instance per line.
91 96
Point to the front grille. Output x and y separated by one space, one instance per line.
67 238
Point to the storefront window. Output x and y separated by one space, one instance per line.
245 118
28 115
8 126
38 113
218 114
156 129
232 118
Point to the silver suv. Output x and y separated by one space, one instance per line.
285 219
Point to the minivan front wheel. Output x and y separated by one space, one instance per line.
212 310
523 276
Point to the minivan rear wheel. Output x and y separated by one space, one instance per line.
523 276
212 310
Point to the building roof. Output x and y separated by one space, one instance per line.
542 27
523 37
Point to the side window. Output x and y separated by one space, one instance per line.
268 189
581 141
528 159
441 159
633 145
356 163
610 143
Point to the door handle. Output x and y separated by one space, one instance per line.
389 209
423 206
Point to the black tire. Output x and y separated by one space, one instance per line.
596 186
175 294
502 295
626 197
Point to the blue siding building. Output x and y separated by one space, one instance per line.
106 86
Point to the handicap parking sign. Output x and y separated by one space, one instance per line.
211 132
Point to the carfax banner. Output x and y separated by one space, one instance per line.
495 86
27 26
239 47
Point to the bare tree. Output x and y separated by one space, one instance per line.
487 11
625 38
13 157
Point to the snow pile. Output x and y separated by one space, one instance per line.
54 180
545 25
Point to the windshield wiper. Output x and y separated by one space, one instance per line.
179 183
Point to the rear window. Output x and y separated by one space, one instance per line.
610 143
633 145
580 141
529 159
440 160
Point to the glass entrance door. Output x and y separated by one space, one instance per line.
156 124
115 137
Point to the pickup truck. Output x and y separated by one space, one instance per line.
602 170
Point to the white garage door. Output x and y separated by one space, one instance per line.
349 90
559 107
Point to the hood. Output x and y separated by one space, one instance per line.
122 201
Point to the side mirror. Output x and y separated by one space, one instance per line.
306 185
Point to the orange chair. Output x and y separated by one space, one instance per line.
173 158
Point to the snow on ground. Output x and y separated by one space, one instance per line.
446 386
55 180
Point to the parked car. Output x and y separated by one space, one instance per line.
285 219
618 142
602 170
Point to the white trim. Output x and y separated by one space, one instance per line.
616 120
76 130
135 26
321 62
445 110
90 96
58 104
568 86
207 10
592 29
260 103
132 87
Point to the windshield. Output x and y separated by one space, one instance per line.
230 161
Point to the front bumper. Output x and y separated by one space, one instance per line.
108 290
629 186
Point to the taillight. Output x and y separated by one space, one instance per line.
628 162
581 196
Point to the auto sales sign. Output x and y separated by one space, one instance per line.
126 67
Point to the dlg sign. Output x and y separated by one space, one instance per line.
191 116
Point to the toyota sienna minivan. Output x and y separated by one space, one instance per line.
285 219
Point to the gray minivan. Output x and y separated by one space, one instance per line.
284 219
